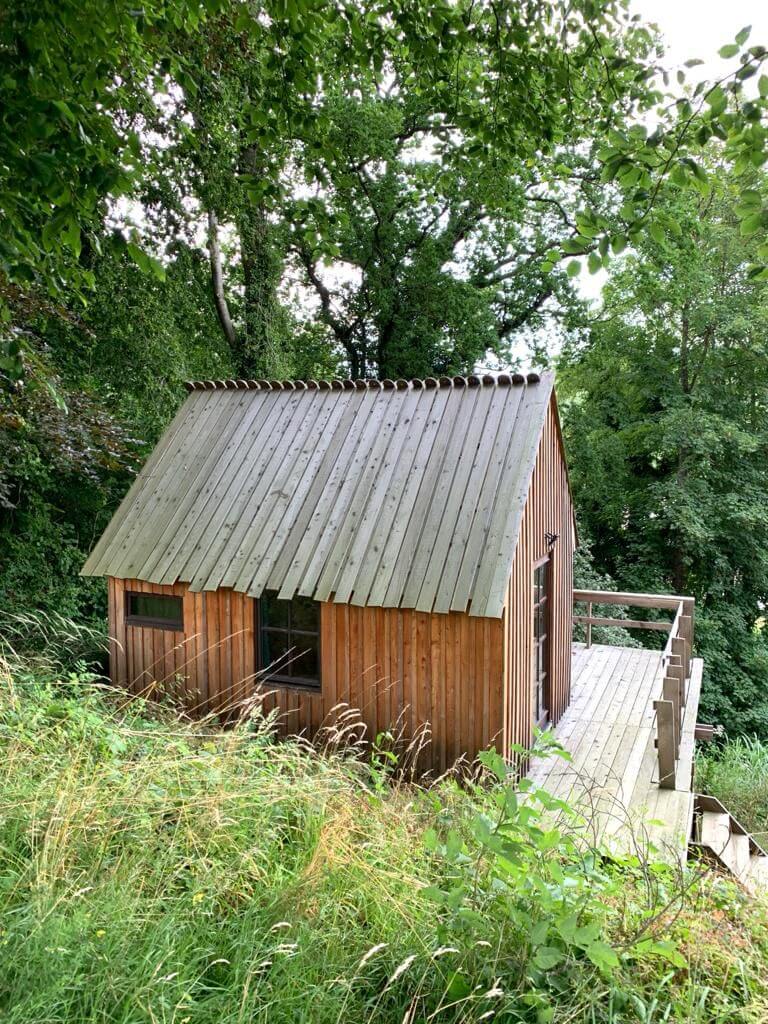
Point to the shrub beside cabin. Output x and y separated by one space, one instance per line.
401 547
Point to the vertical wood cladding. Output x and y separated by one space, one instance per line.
399 668
469 678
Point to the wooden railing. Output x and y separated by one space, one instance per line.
675 660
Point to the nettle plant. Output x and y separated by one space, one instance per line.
521 885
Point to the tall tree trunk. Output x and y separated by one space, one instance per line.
263 342
217 280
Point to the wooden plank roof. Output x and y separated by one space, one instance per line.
387 493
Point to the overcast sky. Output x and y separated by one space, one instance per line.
698 28
694 28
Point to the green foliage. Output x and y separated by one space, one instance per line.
97 391
152 869
73 79
736 772
665 406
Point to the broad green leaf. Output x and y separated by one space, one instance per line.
602 955
717 100
751 224
743 35
667 950
750 199
138 256
729 50
574 247
586 934
547 957
458 987
674 226
72 235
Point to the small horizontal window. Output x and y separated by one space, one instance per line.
159 611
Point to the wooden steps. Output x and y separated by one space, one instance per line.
718 835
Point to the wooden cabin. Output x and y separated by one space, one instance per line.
404 548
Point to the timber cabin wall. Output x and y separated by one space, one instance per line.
389 663
548 509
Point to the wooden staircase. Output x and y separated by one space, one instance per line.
719 836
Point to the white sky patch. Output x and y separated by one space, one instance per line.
693 29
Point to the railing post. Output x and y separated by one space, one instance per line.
671 691
686 634
665 741
676 670
589 624
680 649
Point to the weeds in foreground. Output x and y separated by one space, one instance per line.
155 870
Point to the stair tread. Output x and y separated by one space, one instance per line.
731 848
758 869
737 854
715 829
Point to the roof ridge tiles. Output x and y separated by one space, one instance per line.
373 383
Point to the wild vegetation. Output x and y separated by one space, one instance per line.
156 869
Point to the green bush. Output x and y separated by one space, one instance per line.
155 870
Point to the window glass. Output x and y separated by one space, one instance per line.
289 640
274 612
159 610
303 613
274 647
307 663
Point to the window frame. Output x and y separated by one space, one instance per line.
149 621
302 683
542 653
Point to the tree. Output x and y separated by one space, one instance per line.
75 78
667 428
505 82
421 255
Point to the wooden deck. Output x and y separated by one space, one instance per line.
609 729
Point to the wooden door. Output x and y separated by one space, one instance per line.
542 605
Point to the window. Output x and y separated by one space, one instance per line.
289 640
541 643
160 611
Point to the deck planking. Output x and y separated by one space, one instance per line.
609 730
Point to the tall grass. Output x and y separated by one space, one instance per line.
153 870
737 774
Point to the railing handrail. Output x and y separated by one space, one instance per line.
662 601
